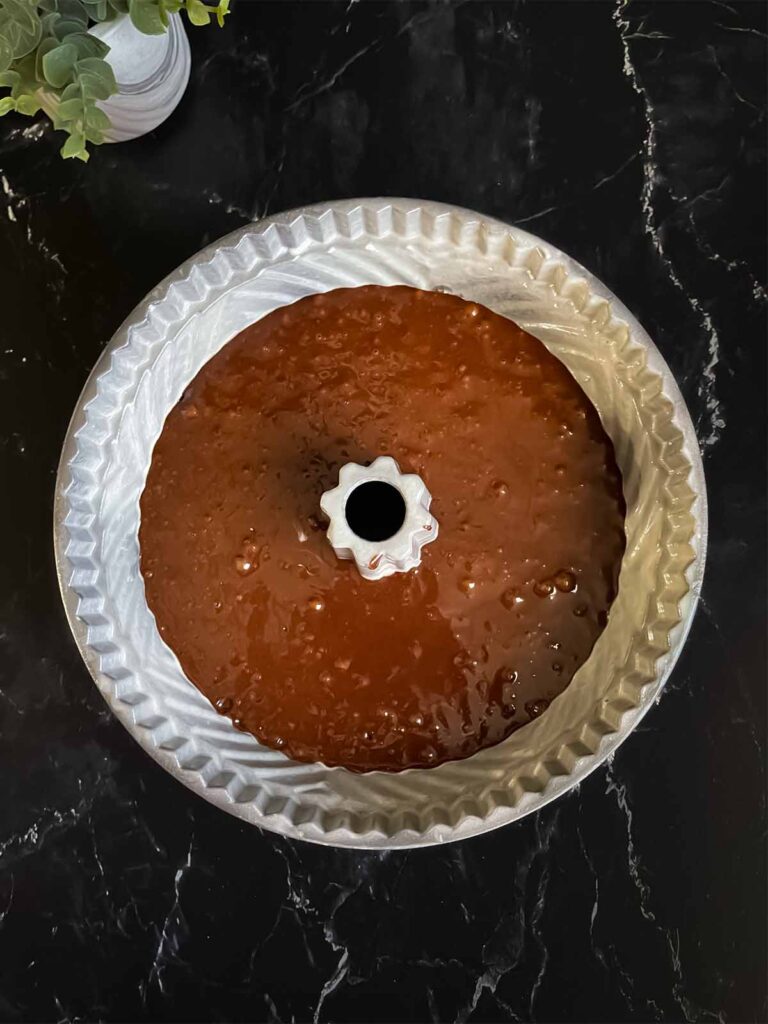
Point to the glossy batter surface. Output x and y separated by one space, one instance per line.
420 667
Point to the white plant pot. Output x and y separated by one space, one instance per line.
152 73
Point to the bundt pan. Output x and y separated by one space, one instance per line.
190 316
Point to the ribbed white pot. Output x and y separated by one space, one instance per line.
152 73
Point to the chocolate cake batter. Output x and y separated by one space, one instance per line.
422 667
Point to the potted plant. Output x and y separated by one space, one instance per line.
102 70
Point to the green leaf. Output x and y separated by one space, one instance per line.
49 23
88 45
21 27
198 13
7 103
98 10
26 80
93 88
221 12
28 105
45 47
97 80
59 65
69 110
67 27
98 67
73 10
146 16
95 133
6 54
22 12
71 92
75 147
97 120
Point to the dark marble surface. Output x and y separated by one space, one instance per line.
634 138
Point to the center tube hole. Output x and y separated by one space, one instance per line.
375 510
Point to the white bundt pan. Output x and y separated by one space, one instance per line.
186 320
